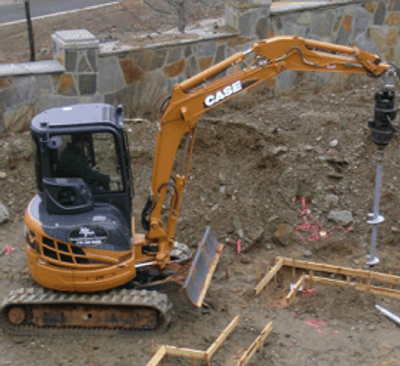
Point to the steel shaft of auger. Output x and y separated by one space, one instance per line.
376 217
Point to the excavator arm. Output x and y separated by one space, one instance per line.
195 96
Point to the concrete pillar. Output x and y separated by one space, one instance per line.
78 52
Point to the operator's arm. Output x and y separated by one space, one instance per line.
94 177
72 164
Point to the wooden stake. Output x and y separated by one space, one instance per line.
294 267
369 283
227 272
311 281
258 274
269 276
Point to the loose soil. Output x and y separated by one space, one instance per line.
254 159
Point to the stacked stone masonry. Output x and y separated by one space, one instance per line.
84 71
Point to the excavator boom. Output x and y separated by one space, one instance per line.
195 96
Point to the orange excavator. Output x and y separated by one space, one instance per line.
95 271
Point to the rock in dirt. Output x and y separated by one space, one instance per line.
305 189
335 175
3 175
340 217
237 224
308 253
4 214
245 259
284 235
334 143
308 148
331 201
16 151
222 178
279 150
257 235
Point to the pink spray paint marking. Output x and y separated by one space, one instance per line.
316 228
315 324
8 249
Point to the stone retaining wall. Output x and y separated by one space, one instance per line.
84 71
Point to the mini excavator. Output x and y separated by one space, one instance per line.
80 237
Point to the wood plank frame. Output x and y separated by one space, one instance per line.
327 268
270 275
256 345
158 356
222 337
163 351
289 298
376 290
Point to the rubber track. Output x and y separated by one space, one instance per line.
39 296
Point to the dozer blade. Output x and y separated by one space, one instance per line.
203 267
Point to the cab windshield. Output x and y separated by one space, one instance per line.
92 157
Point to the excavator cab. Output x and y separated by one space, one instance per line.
80 219
82 162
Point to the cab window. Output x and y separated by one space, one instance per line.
92 157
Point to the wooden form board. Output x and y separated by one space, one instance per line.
289 298
163 351
360 273
158 357
270 275
222 337
257 344
349 273
376 290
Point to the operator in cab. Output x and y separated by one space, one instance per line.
73 164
